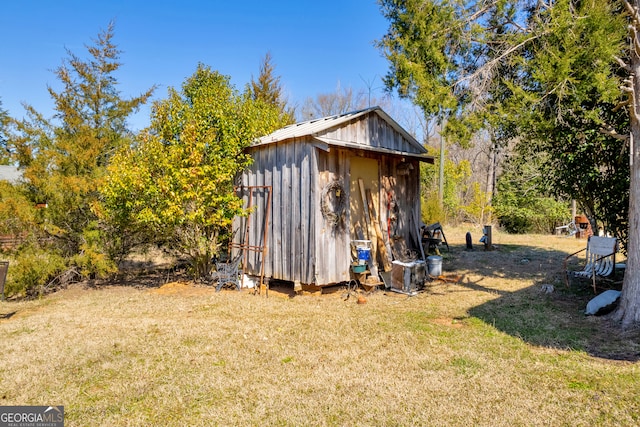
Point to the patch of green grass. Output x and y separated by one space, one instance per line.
510 248
577 385
536 319
466 366
189 341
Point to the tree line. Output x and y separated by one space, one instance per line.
554 86
92 190
543 93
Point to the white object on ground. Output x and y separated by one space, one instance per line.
603 303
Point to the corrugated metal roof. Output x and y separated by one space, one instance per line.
315 126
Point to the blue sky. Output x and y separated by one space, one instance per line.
314 44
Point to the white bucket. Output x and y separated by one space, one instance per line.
434 265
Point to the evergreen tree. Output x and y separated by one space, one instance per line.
268 89
64 159
550 72
4 126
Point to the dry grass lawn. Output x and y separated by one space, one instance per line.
489 350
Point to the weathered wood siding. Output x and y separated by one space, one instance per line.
301 245
371 131
290 169
333 253
403 186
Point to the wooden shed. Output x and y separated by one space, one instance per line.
315 187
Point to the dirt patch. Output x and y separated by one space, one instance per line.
183 288
611 342
447 321
449 278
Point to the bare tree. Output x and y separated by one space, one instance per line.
340 101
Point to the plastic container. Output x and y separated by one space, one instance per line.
357 268
364 254
434 265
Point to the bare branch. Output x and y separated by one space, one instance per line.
484 69
622 104
632 11
610 131
622 64
518 26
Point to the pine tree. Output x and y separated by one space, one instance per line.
64 159
268 89
4 123
560 75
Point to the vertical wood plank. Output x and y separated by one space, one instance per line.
295 260
268 180
287 237
306 186
314 212
320 226
277 217
255 218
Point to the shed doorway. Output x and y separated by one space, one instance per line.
363 170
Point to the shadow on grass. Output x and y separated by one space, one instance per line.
7 315
143 277
555 319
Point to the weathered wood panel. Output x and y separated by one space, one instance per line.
274 264
301 245
269 166
408 200
294 210
251 230
306 212
287 168
371 131
332 244
286 245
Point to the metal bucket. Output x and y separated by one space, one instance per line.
434 265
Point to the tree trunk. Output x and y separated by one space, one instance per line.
492 166
628 311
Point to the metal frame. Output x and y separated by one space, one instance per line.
4 268
244 247
599 260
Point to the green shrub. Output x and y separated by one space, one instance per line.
432 211
92 261
478 209
523 202
456 185
534 215
32 270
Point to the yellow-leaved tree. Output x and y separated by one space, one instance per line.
175 185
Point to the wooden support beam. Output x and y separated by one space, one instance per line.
363 197
382 247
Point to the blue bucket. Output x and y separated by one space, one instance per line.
364 254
